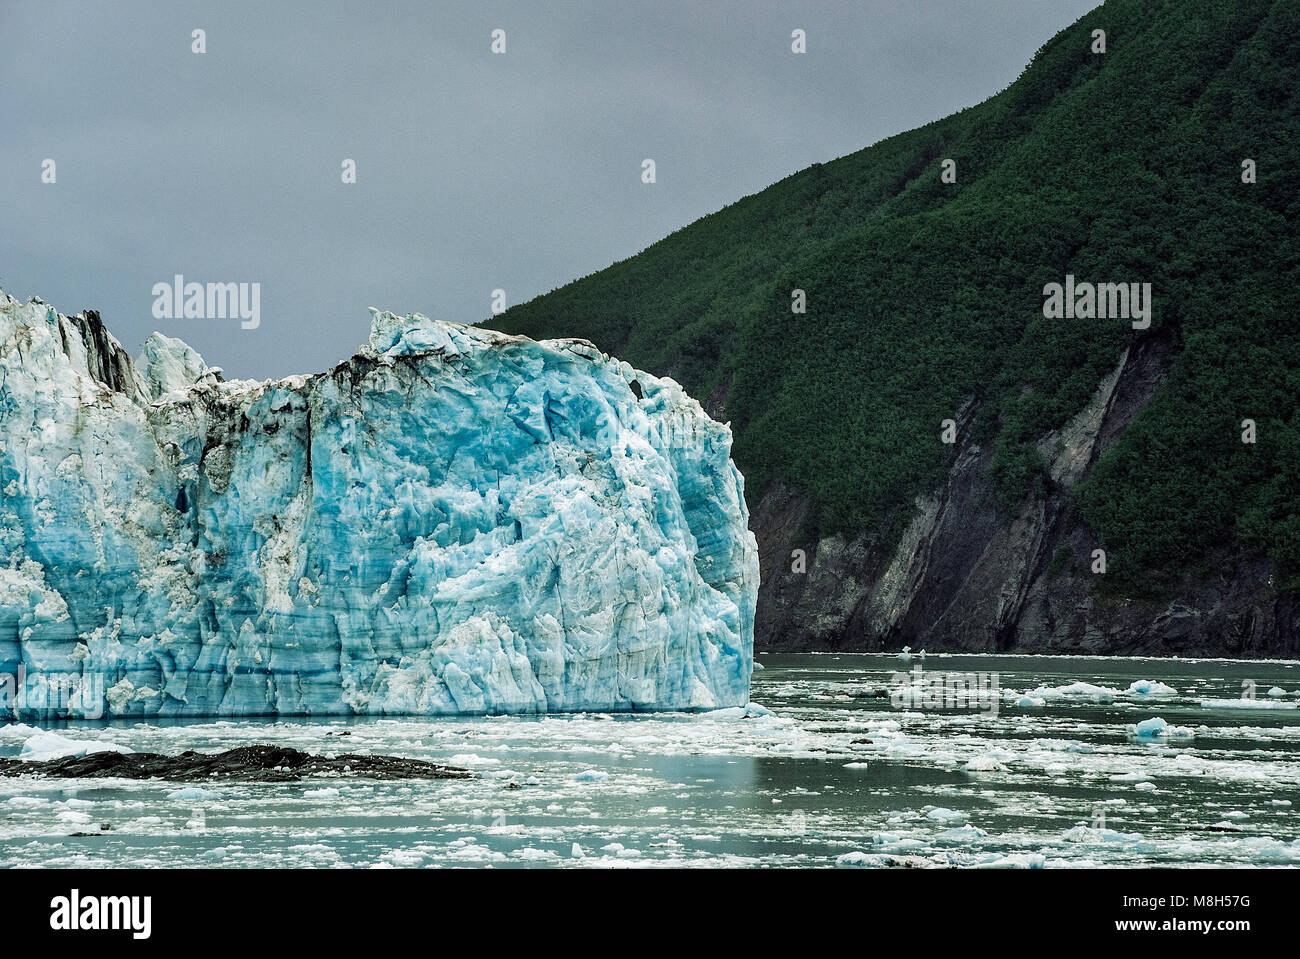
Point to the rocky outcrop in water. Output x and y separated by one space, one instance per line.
258 763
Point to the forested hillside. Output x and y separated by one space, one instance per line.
925 298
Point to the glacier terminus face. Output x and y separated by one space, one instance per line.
452 521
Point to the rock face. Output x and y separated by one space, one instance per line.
258 763
969 575
452 521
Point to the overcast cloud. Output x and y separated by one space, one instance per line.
475 171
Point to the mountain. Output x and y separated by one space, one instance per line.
451 521
1171 443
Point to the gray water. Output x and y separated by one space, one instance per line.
835 775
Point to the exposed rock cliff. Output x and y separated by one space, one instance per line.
967 574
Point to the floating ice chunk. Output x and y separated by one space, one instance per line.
858 859
898 842
1157 728
862 860
19 730
1019 860
46 746
590 776
191 794
1062 745
1150 687
1076 690
984 764
1246 704
943 814
404 858
1083 833
1129 777
576 852
728 712
1277 691
961 834
529 854
474 851
1150 727
472 759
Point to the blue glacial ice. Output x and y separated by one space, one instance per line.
452 521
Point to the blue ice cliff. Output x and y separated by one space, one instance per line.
452 521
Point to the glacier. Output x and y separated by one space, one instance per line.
452 521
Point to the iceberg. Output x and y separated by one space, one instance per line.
44 747
453 520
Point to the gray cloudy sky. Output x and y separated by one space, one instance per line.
475 171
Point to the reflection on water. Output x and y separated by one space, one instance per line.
838 774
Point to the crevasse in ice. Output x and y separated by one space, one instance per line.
452 521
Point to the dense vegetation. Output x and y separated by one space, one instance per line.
923 296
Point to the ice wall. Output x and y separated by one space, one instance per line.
452 521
